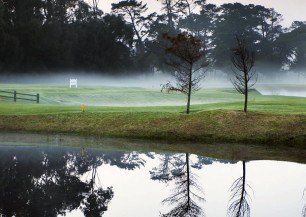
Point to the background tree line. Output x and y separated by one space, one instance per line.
53 35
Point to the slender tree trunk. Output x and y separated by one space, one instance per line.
188 102
188 179
245 93
139 42
246 102
189 90
242 189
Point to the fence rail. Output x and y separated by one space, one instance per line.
15 96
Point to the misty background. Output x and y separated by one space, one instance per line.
49 42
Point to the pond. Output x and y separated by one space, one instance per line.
67 181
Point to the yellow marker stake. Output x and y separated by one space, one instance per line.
83 152
83 108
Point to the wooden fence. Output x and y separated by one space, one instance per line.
22 96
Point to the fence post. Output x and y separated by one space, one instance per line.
37 98
15 96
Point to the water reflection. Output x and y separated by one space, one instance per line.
96 200
239 201
304 208
48 181
187 190
34 179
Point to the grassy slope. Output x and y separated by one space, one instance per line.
271 120
210 126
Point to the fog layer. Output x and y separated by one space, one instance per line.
142 90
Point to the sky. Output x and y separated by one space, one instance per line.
291 10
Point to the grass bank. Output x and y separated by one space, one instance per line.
220 150
205 126
272 120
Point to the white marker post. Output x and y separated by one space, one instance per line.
73 82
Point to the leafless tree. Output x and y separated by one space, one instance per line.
239 206
186 52
185 194
245 77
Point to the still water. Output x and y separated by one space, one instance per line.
52 181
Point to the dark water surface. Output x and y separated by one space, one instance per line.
58 181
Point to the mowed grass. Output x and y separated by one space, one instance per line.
216 115
62 99
118 96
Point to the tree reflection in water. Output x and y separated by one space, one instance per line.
47 181
96 200
239 206
187 190
304 208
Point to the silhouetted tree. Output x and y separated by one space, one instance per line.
133 12
269 56
184 194
171 12
292 47
200 24
189 6
95 9
96 201
239 206
177 168
49 182
57 35
127 160
187 54
243 61
164 172
32 181
304 207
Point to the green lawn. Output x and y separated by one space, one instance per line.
217 118
62 99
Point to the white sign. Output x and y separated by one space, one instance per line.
74 82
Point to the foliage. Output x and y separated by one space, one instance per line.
63 35
45 35
293 47
133 11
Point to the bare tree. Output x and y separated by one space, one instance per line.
243 60
239 206
185 194
186 52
